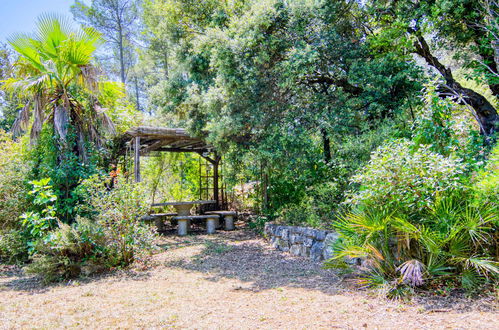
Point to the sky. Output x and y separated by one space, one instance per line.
20 15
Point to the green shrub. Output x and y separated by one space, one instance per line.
114 237
302 214
41 219
13 247
486 183
70 251
316 209
414 219
118 210
65 169
13 189
402 176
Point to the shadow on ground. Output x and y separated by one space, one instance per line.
246 257
242 255
13 278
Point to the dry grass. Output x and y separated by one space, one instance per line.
229 280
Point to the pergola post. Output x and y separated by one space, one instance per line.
137 159
215 181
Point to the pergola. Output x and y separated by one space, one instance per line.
144 140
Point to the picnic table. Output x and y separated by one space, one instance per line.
183 216
184 208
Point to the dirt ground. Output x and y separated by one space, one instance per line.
231 280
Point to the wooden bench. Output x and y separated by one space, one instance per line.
228 217
184 222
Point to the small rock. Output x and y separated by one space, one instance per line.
285 233
295 238
320 235
328 242
295 249
308 242
310 232
305 251
283 245
316 251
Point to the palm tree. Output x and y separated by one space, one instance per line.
53 70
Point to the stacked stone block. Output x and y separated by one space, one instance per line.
301 241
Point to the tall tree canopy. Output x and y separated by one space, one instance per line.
468 25
117 20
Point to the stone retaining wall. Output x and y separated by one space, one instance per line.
301 241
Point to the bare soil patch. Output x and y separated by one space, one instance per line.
224 281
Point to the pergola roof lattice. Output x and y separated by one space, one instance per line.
166 139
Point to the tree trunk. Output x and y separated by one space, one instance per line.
137 100
121 51
485 113
327 146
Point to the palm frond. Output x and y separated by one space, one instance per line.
27 47
53 59
36 128
436 265
412 272
22 120
483 266
53 30
470 279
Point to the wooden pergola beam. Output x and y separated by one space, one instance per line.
156 145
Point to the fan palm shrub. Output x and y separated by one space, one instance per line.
454 242
55 75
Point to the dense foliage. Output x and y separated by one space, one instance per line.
377 118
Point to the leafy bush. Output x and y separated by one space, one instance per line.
13 189
316 209
42 218
65 169
403 176
118 210
415 223
113 237
72 250
13 247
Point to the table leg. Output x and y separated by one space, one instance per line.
183 209
211 225
183 227
229 222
